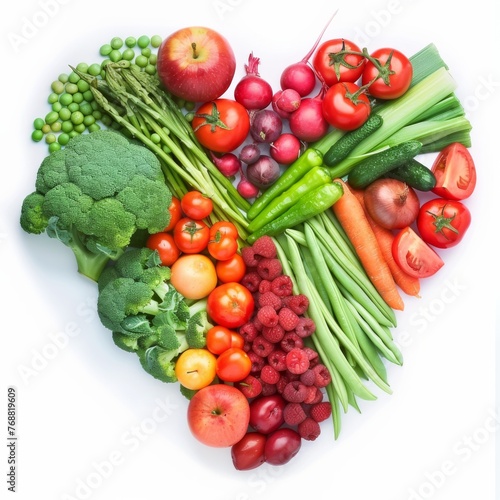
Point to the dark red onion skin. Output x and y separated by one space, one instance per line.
266 126
264 172
249 153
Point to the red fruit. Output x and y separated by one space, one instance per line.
248 453
281 446
277 359
309 429
262 347
314 395
257 362
282 286
249 257
305 327
308 377
290 341
248 331
250 386
294 413
297 303
268 316
265 247
269 269
273 334
269 299
297 361
251 281
287 319
323 377
295 392
321 411
269 375
265 286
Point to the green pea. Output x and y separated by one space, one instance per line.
94 127
128 54
153 59
38 123
94 104
88 120
63 139
141 61
88 96
130 41
63 78
50 138
83 86
150 69
46 128
82 67
66 126
107 120
86 108
77 117
71 88
78 97
53 97
72 134
54 146
80 128
57 87
143 41
115 55
57 106
156 41
97 114
105 49
156 138
37 135
189 106
64 114
66 99
94 69
51 117
56 126
73 77
146 52
116 43
189 116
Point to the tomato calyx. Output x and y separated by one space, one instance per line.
355 97
191 228
441 222
384 70
338 59
212 119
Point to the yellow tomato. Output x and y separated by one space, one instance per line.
196 368
193 276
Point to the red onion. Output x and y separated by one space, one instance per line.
265 125
264 172
391 203
249 154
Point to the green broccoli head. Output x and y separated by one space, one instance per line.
160 363
101 188
196 330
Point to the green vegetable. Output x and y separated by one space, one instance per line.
315 177
415 174
94 194
311 204
344 146
378 164
146 315
307 160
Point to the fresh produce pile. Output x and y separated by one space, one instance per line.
253 248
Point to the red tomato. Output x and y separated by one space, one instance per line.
222 247
455 172
196 205
175 213
443 223
220 339
344 108
223 227
390 76
414 256
191 236
165 245
230 304
221 125
232 269
233 365
335 66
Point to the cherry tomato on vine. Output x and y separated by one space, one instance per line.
191 236
455 172
443 223
164 244
232 269
390 75
220 339
175 213
334 66
414 256
223 247
223 227
345 106
196 205
221 125
233 365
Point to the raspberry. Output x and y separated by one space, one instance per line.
258 324
250 386
309 429
262 347
297 361
321 411
290 341
305 327
257 362
287 319
297 303
265 286
314 395
269 299
308 377
295 392
251 281
269 375
249 257
312 355
277 359
265 247
282 286
268 316
273 333
294 413
268 389
323 377
269 269
248 331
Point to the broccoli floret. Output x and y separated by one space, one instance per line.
147 315
187 393
94 195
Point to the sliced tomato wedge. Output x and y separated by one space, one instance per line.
455 172
414 255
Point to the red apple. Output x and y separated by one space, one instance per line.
196 64
218 415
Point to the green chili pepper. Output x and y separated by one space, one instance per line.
308 159
316 177
309 205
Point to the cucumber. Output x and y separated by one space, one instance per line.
414 174
343 147
378 164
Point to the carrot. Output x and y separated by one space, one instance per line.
385 237
352 218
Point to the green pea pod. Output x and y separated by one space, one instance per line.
308 159
316 177
312 203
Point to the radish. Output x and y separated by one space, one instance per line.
300 76
252 91
265 125
308 123
288 100
228 164
274 103
285 149
246 188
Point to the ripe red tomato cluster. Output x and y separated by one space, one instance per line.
442 221
353 76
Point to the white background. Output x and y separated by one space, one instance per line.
92 424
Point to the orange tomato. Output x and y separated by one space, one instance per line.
193 276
